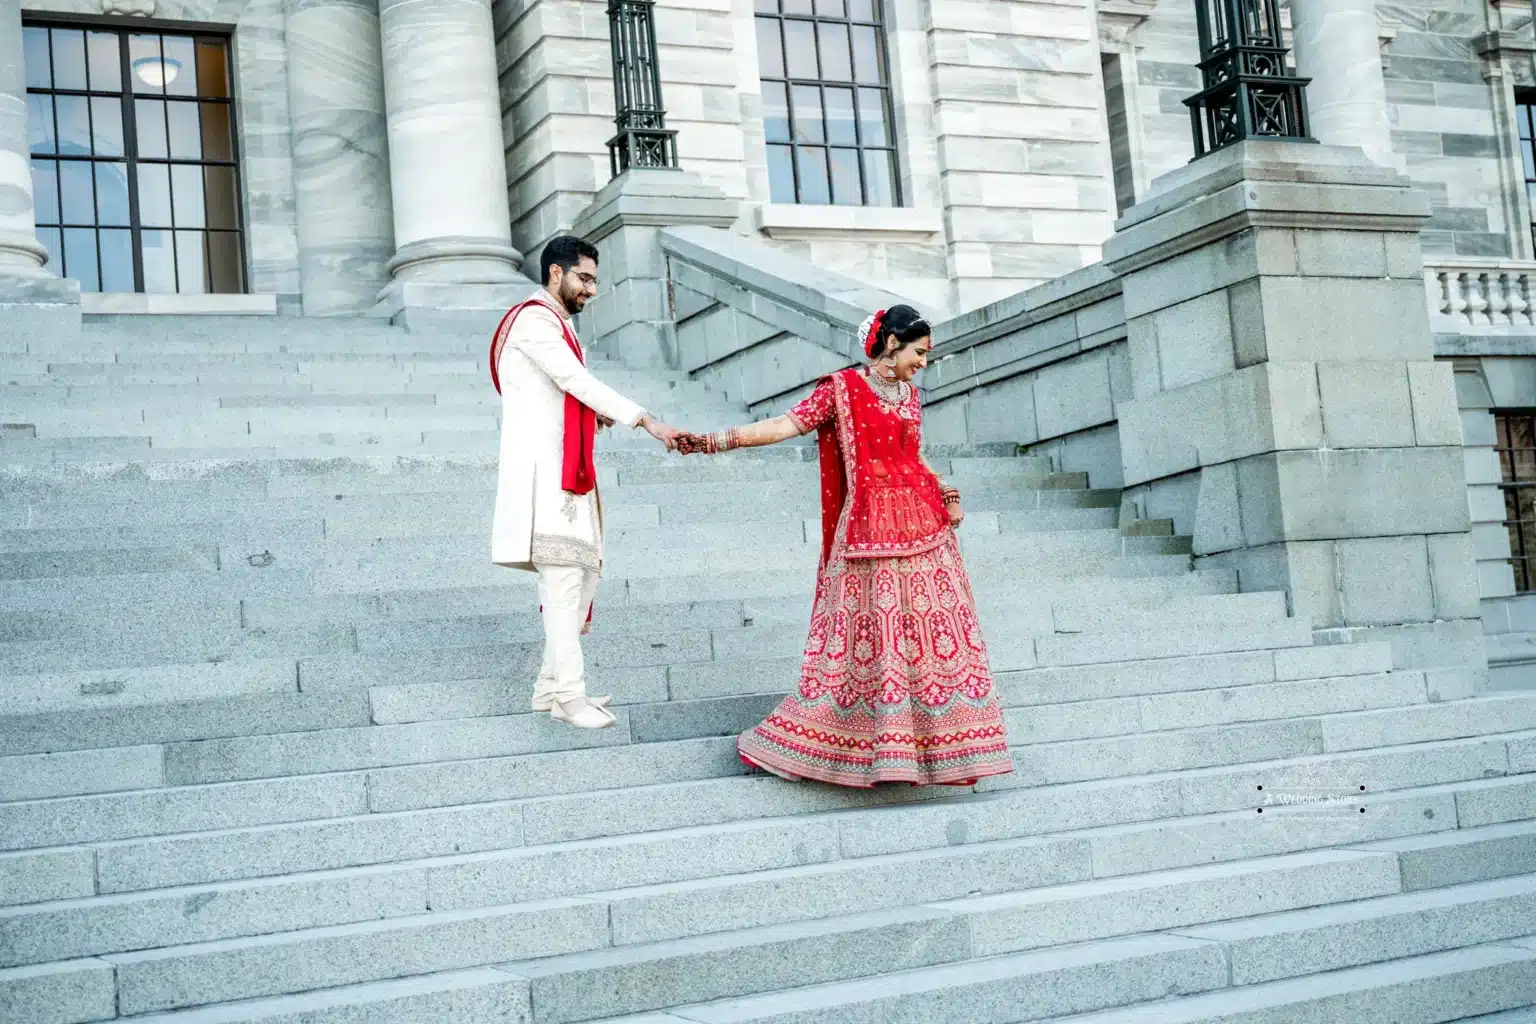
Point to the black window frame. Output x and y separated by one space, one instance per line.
1518 481
1525 141
131 160
781 13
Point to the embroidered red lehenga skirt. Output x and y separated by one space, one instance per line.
895 685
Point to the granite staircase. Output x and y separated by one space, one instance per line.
265 751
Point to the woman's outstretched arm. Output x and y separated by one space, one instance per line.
753 435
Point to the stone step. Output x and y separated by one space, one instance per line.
148 709
610 982
649 718
743 502
633 551
729 647
652 896
1438 987
585 985
1469 854
306 402
477 996
1177 749
189 975
1280 945
263 597
1017 613
70 820
1177 979
41 600
633 478
1078 617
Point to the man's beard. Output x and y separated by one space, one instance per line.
572 306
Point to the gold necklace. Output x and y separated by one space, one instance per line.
894 392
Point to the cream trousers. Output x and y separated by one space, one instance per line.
565 592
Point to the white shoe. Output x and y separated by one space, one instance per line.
544 702
582 714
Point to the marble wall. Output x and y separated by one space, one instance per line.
1027 183
557 102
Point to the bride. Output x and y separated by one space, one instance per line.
894 686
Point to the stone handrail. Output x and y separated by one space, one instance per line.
762 326
758 324
1475 296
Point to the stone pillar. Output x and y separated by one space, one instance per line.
1287 410
1338 46
631 317
447 166
340 154
22 278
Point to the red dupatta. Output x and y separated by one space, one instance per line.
889 506
578 469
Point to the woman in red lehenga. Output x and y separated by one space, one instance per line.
895 685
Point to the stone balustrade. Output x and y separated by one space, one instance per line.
1477 296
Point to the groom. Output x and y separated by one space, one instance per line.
548 517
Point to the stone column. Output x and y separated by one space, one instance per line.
1288 411
22 278
1338 46
340 154
447 165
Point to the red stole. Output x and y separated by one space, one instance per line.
894 506
578 470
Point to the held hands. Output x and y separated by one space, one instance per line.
708 444
660 431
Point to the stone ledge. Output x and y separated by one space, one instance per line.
1490 344
102 303
872 223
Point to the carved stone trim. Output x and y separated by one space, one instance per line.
1119 18
132 8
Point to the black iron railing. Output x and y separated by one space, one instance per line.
1248 90
643 139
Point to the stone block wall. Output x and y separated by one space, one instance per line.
1287 409
1023 152
1165 48
1449 126
558 108
1045 368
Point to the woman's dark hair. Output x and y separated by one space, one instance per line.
565 251
900 327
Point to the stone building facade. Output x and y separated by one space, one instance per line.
372 157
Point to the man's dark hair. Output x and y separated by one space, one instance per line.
565 251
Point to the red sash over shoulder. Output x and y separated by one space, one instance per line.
578 471
874 450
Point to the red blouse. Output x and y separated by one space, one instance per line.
890 502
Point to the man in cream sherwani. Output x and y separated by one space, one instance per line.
548 518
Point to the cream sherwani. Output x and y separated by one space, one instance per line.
538 525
